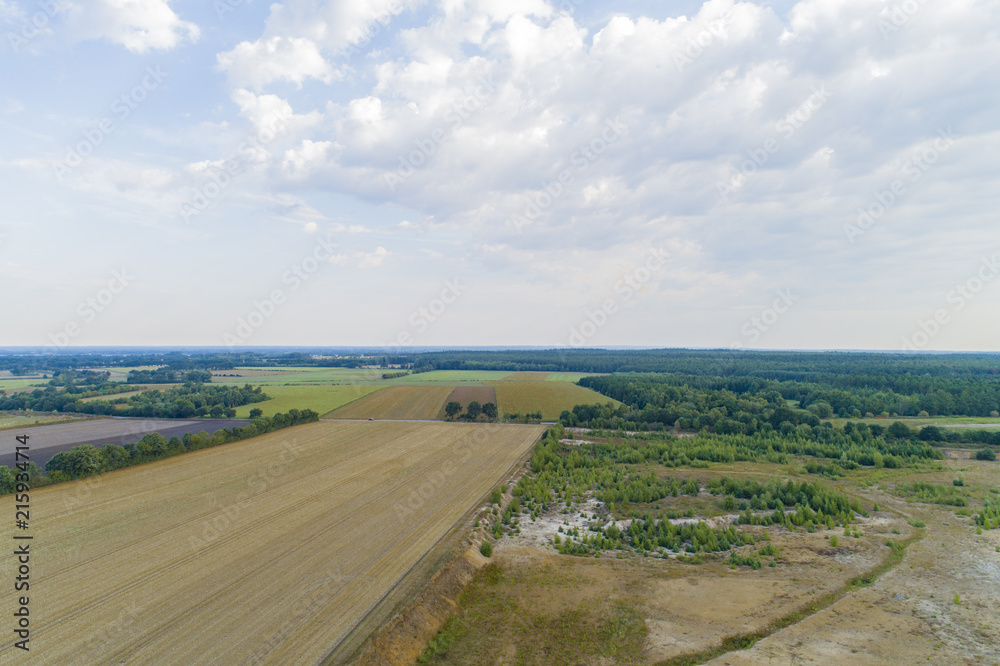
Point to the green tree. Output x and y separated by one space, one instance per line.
453 409
7 481
474 410
490 411
899 430
256 412
931 434
821 409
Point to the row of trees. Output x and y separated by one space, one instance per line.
473 411
168 375
187 401
86 460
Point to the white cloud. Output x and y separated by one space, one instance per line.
260 63
336 24
138 25
696 99
371 259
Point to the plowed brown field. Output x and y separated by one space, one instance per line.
270 550
466 394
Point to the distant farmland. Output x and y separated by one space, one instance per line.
320 399
271 550
549 397
398 402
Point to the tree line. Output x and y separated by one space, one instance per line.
87 460
473 411
187 401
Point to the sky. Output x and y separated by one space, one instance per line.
818 174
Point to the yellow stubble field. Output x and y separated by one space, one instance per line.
270 550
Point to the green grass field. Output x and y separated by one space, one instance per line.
19 383
571 377
454 377
291 375
322 399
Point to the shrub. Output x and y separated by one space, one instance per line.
985 453
745 560
486 549
834 541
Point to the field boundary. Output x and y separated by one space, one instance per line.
88 417
392 612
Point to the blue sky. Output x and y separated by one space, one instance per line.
815 174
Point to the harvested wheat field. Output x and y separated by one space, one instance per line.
549 398
398 402
270 550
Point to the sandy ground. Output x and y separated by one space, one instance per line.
689 608
909 615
